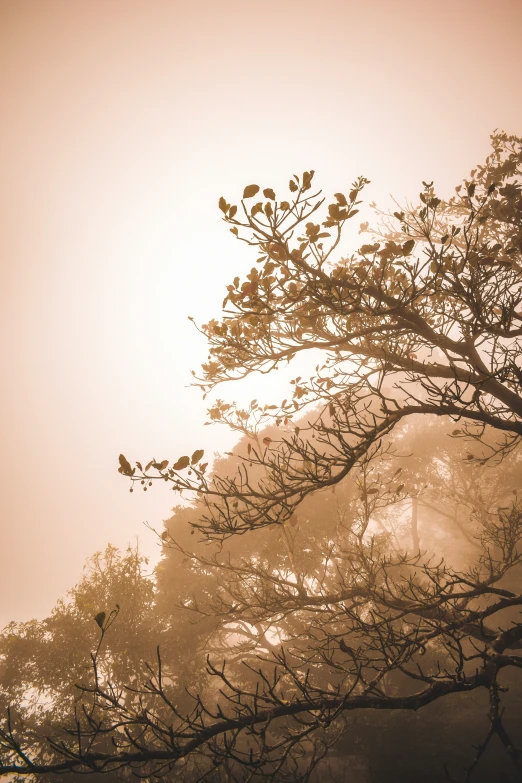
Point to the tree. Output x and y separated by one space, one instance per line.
43 661
425 320
244 589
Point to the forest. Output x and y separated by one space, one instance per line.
339 597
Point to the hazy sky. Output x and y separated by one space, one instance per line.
122 124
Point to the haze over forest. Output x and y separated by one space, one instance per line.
362 533
123 123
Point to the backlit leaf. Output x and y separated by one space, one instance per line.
125 467
196 456
250 191
100 618
182 462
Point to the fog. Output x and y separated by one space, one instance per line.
123 123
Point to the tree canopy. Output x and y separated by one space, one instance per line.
359 612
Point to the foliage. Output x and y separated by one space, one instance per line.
361 613
43 662
247 588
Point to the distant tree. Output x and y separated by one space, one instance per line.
425 320
42 662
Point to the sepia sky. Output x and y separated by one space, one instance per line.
122 123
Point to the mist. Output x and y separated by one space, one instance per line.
124 124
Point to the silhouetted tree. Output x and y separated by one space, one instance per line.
286 584
424 320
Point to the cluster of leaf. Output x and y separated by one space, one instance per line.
427 322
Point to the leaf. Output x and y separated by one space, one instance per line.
161 465
341 198
372 491
471 189
399 488
307 179
335 212
293 187
366 249
269 193
311 229
125 467
182 462
100 619
250 191
267 441
408 247
223 204
164 535
196 456
232 211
